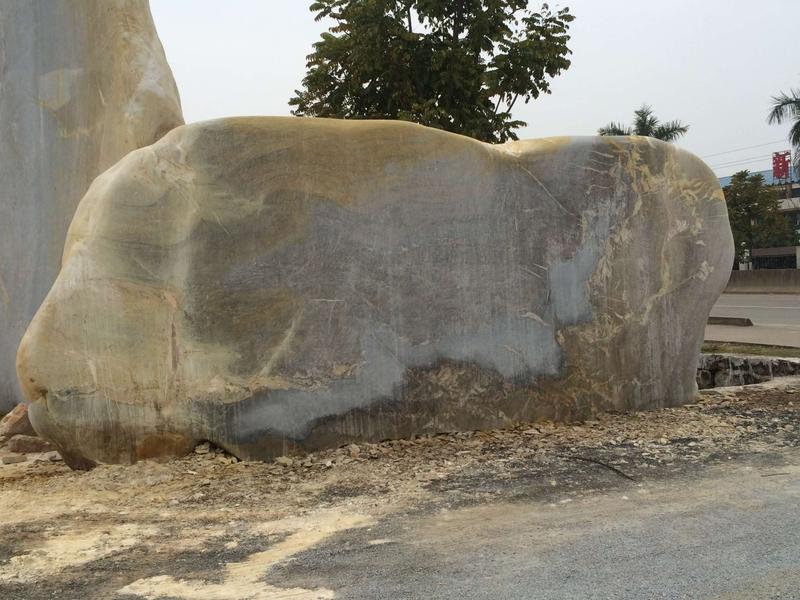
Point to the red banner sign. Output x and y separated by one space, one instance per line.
781 163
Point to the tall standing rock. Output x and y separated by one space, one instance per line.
274 283
82 83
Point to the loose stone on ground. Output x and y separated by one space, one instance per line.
203 512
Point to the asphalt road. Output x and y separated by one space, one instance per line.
731 534
775 310
776 319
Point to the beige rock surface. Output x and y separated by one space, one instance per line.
16 422
82 83
277 283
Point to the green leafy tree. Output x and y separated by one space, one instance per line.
754 213
786 107
645 123
459 65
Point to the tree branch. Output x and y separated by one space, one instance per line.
457 23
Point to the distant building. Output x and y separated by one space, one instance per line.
785 257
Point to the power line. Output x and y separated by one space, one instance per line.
743 148
739 162
743 160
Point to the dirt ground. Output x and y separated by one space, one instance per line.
209 527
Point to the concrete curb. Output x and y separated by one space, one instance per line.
737 321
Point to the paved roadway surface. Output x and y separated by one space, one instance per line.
733 534
776 319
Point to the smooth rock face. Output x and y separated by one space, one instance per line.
82 83
271 284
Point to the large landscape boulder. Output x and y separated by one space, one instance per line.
82 83
275 284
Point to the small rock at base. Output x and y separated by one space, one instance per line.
46 457
16 422
10 459
284 461
27 443
203 448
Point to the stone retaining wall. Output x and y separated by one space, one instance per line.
722 370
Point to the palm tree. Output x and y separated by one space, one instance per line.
646 123
786 107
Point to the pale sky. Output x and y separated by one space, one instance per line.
713 64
